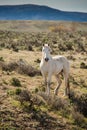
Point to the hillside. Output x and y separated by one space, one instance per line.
37 12
40 26
24 104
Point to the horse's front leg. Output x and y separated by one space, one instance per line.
45 80
58 86
48 83
44 77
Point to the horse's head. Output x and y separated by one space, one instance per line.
46 52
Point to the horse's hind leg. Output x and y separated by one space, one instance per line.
58 86
67 89
48 84
68 86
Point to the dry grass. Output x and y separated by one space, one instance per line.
39 26
34 105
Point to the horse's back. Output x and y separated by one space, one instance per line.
64 61
60 58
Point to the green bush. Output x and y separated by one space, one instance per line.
10 92
17 91
69 46
37 61
1 59
83 65
15 82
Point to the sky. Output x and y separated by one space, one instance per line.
65 5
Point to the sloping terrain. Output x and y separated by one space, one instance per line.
23 102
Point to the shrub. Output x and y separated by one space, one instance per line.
81 47
25 100
25 96
16 49
36 90
82 83
65 46
73 81
69 46
83 65
58 28
17 91
30 48
2 45
37 61
10 92
9 67
15 82
78 118
1 59
55 103
29 70
59 104
80 101
70 57
21 68
62 47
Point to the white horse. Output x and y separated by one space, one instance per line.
54 65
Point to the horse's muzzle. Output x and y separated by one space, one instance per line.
46 59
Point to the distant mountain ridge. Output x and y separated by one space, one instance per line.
37 12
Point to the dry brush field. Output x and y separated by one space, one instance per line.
23 102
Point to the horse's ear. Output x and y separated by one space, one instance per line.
48 44
43 44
